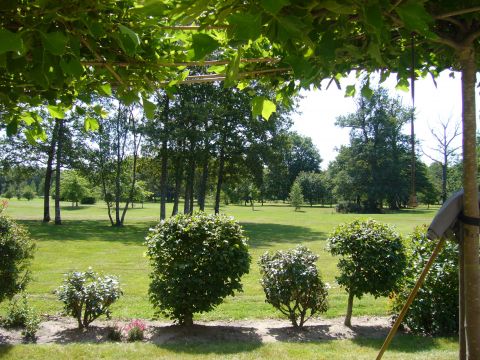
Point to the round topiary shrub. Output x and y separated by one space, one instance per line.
16 252
292 284
197 261
435 308
372 259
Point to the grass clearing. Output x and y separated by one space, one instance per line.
87 239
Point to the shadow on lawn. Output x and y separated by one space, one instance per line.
96 230
402 343
201 339
266 234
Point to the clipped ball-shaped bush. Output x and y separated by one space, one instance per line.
16 253
372 259
197 261
87 295
435 308
292 284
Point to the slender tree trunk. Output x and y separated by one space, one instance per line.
348 317
163 181
48 174
203 185
221 166
178 184
118 172
186 202
58 217
470 206
444 179
136 145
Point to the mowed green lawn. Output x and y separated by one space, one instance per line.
87 239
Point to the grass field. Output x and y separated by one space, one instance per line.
87 239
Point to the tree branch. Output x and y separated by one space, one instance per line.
458 12
99 58
177 64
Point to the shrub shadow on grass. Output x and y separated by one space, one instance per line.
94 230
266 234
202 339
327 332
401 343
4 348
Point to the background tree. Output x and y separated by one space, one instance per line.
296 196
74 187
444 149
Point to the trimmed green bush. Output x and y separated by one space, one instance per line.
21 314
197 261
87 295
16 253
292 284
435 308
372 259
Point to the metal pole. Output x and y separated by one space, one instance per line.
411 297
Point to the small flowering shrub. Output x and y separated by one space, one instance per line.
134 331
86 295
292 284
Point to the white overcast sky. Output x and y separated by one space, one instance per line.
319 108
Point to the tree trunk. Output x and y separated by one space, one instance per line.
118 172
221 166
58 217
462 353
178 184
348 317
470 206
163 181
203 185
189 186
444 179
48 175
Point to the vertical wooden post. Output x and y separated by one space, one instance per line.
462 352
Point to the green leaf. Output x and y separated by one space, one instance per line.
233 69
149 109
217 69
55 42
366 91
274 6
91 124
403 85
245 26
129 40
350 91
72 66
57 112
12 127
262 106
106 89
203 45
374 18
338 8
414 16
10 41
27 118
